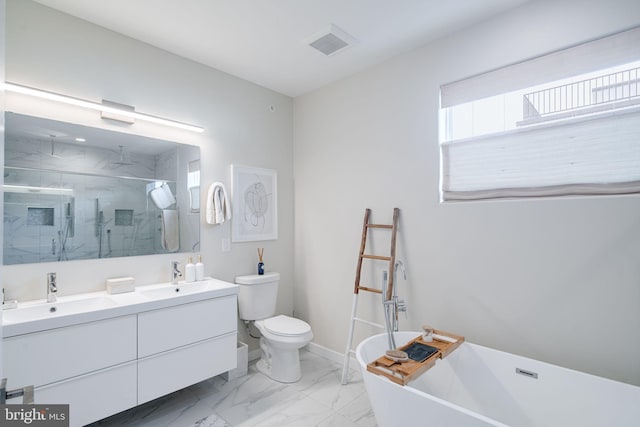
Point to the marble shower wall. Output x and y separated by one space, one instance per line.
104 214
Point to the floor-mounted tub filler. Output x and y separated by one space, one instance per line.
478 386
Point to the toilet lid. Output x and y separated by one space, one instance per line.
286 326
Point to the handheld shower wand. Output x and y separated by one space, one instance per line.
394 305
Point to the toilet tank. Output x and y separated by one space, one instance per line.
257 296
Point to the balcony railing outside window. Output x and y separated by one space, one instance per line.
600 93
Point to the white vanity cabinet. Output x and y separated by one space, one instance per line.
185 344
102 367
90 366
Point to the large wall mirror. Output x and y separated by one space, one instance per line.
76 192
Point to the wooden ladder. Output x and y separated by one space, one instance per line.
391 259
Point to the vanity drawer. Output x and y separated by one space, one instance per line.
93 396
45 357
175 369
167 328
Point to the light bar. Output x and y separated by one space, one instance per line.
25 90
30 189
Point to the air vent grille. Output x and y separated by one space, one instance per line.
331 40
329 44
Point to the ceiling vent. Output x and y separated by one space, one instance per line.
331 40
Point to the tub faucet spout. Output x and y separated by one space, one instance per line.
400 265
176 274
51 287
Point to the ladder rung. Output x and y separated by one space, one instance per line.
380 226
377 325
382 258
364 288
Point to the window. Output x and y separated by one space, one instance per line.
564 123
193 185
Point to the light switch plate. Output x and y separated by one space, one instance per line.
226 245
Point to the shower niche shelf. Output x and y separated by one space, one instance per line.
404 372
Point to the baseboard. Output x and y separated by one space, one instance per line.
328 353
314 348
254 354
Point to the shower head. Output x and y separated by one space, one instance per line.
122 161
53 147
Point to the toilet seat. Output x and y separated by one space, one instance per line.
286 326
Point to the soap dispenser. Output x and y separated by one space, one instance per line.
199 269
190 271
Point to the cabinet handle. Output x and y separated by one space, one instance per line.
26 393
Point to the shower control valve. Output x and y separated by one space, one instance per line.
402 306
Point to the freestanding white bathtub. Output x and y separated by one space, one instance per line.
479 386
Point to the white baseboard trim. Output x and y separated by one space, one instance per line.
328 353
314 348
254 354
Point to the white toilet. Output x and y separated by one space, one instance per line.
282 336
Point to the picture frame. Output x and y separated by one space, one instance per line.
254 204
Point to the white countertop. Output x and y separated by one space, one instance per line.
144 298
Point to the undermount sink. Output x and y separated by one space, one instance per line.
170 290
59 308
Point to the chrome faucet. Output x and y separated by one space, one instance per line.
51 287
400 265
175 272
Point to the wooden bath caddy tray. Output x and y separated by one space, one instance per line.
403 372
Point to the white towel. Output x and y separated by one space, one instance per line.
218 208
170 230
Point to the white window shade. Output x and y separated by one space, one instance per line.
590 149
596 55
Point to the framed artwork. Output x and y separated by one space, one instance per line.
254 202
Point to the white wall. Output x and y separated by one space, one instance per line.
553 279
50 50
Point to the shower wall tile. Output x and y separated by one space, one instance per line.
165 165
37 154
35 243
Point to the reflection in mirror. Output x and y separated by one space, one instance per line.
193 184
75 192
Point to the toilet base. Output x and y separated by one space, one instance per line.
280 359
283 365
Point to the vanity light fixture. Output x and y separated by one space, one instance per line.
26 90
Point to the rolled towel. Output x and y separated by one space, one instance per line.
218 207
170 230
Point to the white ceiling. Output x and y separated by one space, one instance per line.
265 41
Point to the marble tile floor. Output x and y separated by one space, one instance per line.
318 399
